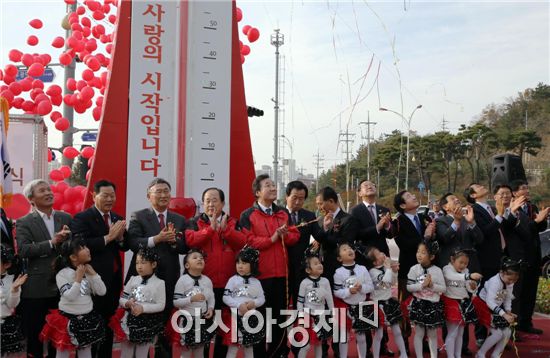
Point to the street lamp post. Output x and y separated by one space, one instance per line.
408 122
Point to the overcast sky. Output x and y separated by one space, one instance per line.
454 58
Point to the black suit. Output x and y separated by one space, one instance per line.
344 229
296 252
466 237
490 250
368 235
105 261
523 243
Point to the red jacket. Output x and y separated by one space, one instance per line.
220 247
259 227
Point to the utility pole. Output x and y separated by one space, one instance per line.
347 141
368 123
277 40
318 165
68 112
444 124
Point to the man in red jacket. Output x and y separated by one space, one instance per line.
267 227
218 235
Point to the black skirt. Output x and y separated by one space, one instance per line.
468 311
358 323
145 327
188 338
499 322
86 329
426 313
322 334
249 338
13 340
392 311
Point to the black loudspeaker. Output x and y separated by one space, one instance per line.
507 168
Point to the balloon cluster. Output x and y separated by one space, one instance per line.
251 33
88 31
67 198
64 172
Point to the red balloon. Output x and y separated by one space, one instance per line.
242 58
71 84
91 45
62 186
17 102
43 107
99 101
88 173
71 194
18 207
9 79
62 124
38 84
27 106
57 200
106 8
10 70
66 170
58 42
55 115
50 155
8 95
57 100
80 10
245 50
16 88
85 21
15 55
45 59
91 161
26 84
87 75
93 5
65 59
87 93
54 90
39 96
78 35
86 31
70 152
112 19
87 152
253 34
36 23
68 208
27 59
32 40
36 70
183 206
93 64
246 28
80 85
98 15
70 2
96 113
56 175
239 15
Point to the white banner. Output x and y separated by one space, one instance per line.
152 128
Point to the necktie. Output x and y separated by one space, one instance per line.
372 211
115 262
502 241
106 220
268 211
417 224
161 221
295 218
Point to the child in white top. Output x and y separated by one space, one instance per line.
143 300
314 295
244 292
194 294
426 283
384 275
13 340
494 307
459 309
352 284
75 324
